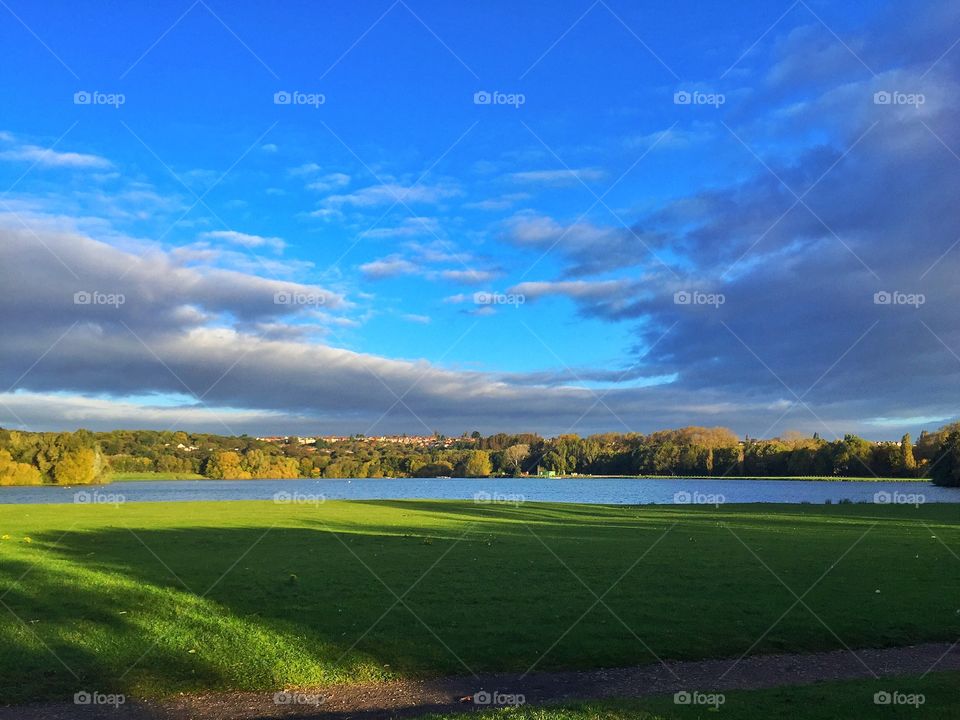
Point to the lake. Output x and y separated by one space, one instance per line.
615 491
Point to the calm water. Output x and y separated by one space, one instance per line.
606 491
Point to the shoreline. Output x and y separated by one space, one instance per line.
163 477
187 477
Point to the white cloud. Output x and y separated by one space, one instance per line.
558 178
411 226
539 230
392 192
244 239
305 169
329 182
501 202
73 410
469 276
671 138
576 289
326 214
419 319
389 267
52 158
423 258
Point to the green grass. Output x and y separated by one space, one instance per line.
851 700
157 598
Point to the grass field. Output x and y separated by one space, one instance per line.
825 701
156 598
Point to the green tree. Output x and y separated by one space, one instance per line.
256 463
852 456
475 464
172 463
728 460
438 469
908 464
552 460
665 458
886 461
945 469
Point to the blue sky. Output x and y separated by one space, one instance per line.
393 207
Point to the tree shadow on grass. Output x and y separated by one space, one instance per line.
314 600
505 517
449 519
206 608
57 635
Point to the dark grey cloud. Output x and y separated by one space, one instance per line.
847 198
218 339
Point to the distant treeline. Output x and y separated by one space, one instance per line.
86 457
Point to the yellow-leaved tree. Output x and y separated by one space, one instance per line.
78 467
17 473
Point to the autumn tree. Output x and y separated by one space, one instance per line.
225 466
475 464
17 473
908 463
514 456
77 467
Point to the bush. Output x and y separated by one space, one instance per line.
435 470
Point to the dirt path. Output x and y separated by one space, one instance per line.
412 698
